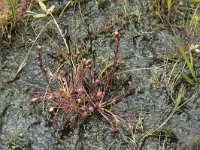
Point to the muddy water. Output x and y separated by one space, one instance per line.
142 37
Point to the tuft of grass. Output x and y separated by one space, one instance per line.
11 11
13 4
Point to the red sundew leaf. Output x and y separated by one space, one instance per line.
64 123
91 109
98 106
62 77
49 73
72 123
64 80
96 82
117 120
106 82
99 94
59 77
55 123
80 73
65 107
56 94
130 126
114 128
50 97
92 96
34 99
61 100
62 73
81 90
84 114
62 91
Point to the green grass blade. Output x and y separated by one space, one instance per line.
187 78
188 62
5 4
14 4
180 95
191 59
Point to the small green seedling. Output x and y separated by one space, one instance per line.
44 8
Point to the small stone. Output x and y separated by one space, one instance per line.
51 109
39 47
116 33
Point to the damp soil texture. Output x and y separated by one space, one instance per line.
151 61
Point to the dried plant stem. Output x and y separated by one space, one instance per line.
42 67
67 45
68 3
65 42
